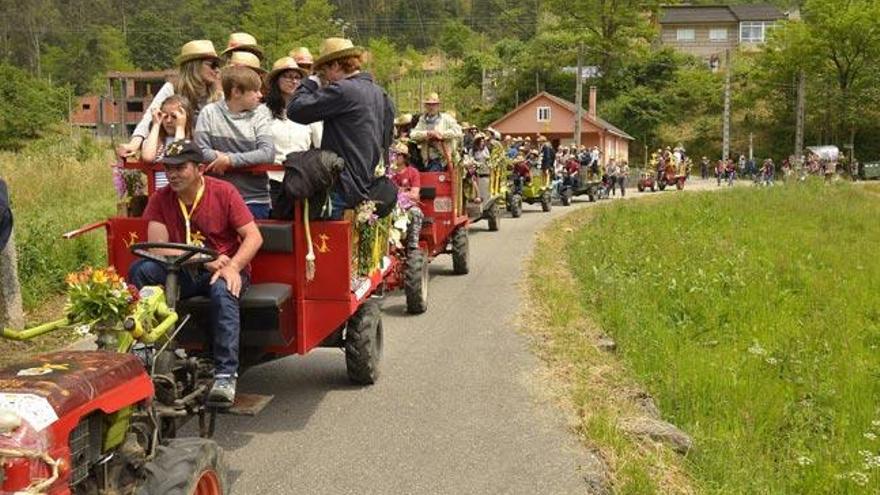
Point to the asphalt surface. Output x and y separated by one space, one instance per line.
458 409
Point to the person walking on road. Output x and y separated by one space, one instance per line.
622 175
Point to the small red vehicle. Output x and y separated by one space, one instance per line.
647 180
106 421
673 175
444 230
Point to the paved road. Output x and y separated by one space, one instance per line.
457 410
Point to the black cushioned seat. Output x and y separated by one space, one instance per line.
261 308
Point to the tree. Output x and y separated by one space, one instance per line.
28 106
281 25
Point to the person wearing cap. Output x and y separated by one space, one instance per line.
358 119
408 181
283 81
236 132
203 211
437 134
198 83
303 58
242 43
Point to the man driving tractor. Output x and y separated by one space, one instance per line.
207 212
437 135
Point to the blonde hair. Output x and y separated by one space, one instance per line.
241 78
192 88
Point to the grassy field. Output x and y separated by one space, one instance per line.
752 317
56 184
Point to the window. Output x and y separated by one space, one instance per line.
685 35
134 106
718 34
543 114
87 106
754 31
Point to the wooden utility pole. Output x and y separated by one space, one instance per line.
799 118
725 138
579 98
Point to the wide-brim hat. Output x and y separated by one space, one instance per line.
285 64
195 50
404 119
401 148
246 59
336 48
432 99
303 56
243 42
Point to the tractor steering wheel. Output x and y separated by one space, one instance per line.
191 254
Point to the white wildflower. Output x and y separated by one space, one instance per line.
756 349
83 330
876 423
870 435
772 361
804 461
869 459
858 478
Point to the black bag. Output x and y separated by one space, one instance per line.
307 175
383 193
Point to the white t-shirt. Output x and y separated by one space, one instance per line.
290 136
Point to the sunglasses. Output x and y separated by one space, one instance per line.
213 64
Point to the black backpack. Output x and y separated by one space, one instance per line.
383 193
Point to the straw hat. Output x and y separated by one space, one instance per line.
196 49
303 56
246 59
404 119
401 148
283 64
432 99
529 139
508 137
243 42
336 48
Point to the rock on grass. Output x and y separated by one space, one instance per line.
659 431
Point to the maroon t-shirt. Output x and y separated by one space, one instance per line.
408 177
215 221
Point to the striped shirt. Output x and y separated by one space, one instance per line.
246 137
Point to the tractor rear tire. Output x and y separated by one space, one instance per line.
415 282
186 466
516 206
641 187
653 188
546 201
565 197
494 217
591 195
363 344
662 184
460 251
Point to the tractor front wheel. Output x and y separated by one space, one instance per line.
546 201
460 251
566 197
641 186
494 217
662 184
186 466
363 344
415 282
516 206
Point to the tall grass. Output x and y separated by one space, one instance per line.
753 316
56 184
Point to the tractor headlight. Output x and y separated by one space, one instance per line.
9 421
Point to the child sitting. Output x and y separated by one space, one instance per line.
407 179
236 132
170 123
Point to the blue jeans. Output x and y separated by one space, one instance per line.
337 206
260 211
225 311
435 165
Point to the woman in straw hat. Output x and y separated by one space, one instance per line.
198 83
358 118
283 81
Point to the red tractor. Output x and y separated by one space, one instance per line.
444 230
87 423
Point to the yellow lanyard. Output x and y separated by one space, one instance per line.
188 213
